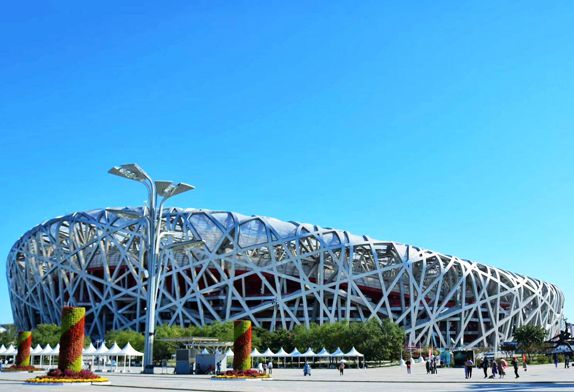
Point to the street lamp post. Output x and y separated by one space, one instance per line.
153 217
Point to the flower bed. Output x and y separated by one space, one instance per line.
56 376
15 368
250 374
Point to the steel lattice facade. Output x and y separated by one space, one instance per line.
278 274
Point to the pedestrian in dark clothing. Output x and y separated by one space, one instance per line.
515 366
341 368
485 367
555 356
427 365
408 363
494 369
468 368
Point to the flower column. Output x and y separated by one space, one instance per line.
242 345
71 339
24 345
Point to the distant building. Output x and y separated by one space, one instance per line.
277 274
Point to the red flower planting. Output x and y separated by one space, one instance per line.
242 345
24 345
72 339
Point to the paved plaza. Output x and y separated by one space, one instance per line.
537 378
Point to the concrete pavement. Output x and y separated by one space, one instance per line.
537 378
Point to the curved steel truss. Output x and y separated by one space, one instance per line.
278 274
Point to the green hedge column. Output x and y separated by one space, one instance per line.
72 338
24 345
242 345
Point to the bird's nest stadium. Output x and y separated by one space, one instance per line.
277 274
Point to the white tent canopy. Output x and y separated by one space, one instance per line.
115 350
323 353
55 350
295 353
230 353
130 351
281 353
255 353
2 350
268 353
309 353
90 351
338 353
37 350
204 351
354 353
47 350
102 350
11 350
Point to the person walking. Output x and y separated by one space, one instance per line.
408 363
555 357
270 367
468 368
485 366
427 365
494 369
524 365
341 368
502 368
515 366
306 369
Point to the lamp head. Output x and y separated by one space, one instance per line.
131 171
167 189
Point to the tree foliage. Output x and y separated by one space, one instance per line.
9 336
164 350
530 338
50 334
376 340
46 334
136 339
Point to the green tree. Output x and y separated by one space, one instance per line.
50 334
376 340
136 339
9 336
46 334
391 340
221 331
530 338
165 350
274 340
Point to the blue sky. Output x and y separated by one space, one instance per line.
447 125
